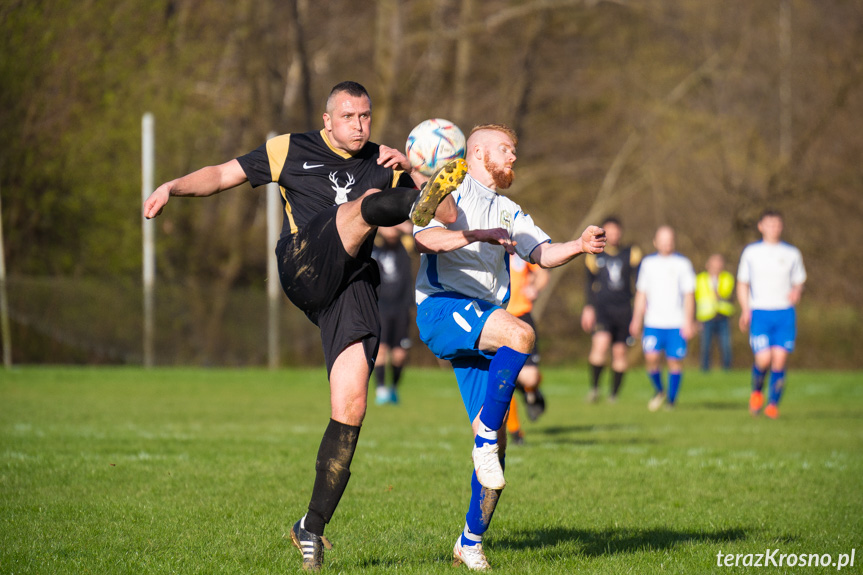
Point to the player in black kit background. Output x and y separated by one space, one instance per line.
608 307
396 301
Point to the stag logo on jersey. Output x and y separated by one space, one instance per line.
387 262
615 275
506 220
341 191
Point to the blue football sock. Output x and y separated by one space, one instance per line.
473 521
468 538
673 386
777 385
656 380
483 502
758 378
484 436
502 373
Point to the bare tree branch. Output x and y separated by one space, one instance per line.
607 197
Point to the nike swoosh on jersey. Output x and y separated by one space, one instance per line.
308 166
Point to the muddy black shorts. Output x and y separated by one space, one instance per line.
337 292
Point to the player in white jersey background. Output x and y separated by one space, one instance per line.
665 307
770 281
462 289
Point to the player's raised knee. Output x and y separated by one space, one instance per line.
523 337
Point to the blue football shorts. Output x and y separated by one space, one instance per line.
450 325
773 328
656 340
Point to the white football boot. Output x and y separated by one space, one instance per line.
382 395
656 402
470 555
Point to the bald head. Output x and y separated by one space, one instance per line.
663 241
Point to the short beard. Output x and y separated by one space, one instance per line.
501 178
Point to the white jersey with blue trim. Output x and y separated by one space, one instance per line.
665 280
478 270
771 270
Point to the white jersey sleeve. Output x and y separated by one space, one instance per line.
526 234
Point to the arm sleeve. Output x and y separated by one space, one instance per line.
798 272
527 235
402 180
743 268
635 256
264 164
641 281
688 280
432 224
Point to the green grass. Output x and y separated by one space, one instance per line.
203 471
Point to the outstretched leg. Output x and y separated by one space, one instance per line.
348 390
376 208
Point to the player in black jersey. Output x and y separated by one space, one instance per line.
337 187
396 302
608 306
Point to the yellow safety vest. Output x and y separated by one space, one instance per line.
707 304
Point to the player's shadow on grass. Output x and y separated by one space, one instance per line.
615 541
837 414
566 429
719 405
581 435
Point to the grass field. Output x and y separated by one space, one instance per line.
203 471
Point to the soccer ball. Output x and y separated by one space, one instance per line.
433 143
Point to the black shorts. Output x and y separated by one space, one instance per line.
337 292
533 358
395 322
615 320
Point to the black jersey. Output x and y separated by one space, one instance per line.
313 175
610 276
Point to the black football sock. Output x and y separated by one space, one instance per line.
595 372
616 382
388 207
397 374
333 472
380 375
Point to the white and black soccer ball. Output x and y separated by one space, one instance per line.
433 143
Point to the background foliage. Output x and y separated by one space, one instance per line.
660 112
